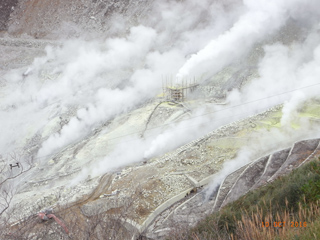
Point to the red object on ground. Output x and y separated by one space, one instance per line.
45 217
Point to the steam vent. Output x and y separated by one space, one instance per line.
138 119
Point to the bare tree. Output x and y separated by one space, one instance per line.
12 167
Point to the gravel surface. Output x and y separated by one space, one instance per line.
6 8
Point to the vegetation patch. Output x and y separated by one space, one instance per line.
287 208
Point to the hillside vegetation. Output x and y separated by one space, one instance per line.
287 208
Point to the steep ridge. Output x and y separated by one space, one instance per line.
245 181
299 152
226 186
253 176
236 184
274 163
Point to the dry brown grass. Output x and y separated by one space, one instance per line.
279 225
288 208
271 226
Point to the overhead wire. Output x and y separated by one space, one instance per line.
200 115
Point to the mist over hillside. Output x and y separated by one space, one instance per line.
82 82
103 77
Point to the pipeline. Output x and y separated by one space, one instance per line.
47 214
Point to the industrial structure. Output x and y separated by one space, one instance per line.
178 92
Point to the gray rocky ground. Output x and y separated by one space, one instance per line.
166 189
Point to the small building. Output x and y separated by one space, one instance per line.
179 93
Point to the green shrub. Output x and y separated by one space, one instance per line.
284 194
311 189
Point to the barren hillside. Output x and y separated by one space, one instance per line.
145 114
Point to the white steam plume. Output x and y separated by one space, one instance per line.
103 78
262 19
293 70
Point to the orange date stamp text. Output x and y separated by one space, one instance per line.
291 224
